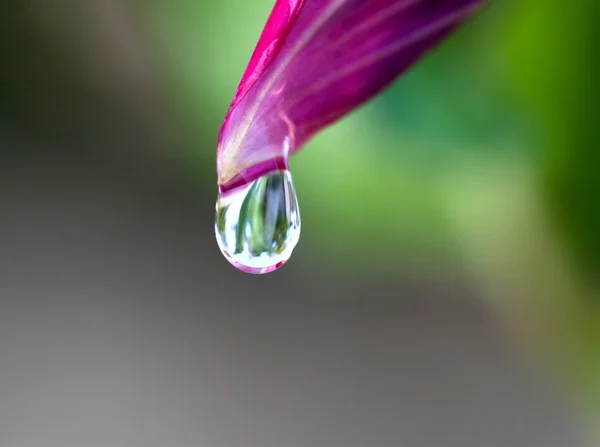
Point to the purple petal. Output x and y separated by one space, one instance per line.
315 62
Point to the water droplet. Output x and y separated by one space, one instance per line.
258 225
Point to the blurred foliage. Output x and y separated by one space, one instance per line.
555 64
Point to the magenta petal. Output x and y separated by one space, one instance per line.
315 62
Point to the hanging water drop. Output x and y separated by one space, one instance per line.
258 225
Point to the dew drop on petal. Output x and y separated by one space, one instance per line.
258 224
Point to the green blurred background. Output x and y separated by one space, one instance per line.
479 167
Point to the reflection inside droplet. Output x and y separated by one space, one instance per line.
258 225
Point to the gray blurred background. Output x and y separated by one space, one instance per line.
122 325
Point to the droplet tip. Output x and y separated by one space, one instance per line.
254 270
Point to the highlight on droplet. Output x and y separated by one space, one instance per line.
258 224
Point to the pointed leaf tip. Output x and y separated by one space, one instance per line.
315 62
